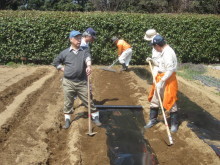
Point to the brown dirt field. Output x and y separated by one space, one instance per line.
31 119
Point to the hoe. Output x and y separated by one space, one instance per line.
109 67
90 133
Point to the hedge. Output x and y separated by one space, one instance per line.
37 37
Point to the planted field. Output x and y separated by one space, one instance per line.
31 119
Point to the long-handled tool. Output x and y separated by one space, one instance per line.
109 67
162 109
90 133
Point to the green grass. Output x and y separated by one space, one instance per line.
13 64
196 72
16 65
189 70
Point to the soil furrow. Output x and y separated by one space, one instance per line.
25 131
10 76
7 96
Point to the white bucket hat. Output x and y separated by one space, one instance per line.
149 35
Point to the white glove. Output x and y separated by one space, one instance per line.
160 84
149 59
154 62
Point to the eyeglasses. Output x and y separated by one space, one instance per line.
78 37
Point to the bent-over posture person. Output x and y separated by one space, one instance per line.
75 62
124 52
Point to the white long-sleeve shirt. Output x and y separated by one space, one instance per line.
167 62
156 58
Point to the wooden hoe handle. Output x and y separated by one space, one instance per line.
161 105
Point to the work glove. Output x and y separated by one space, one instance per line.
149 59
153 61
160 84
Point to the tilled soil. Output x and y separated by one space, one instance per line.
31 118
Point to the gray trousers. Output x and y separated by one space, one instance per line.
72 89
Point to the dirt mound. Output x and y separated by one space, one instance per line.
31 119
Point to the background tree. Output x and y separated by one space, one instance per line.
10 4
141 6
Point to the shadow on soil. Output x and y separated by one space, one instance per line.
143 74
200 121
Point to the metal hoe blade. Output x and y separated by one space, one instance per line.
108 69
91 133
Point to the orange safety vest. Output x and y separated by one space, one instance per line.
170 91
122 46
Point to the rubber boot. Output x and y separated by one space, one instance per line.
67 124
153 118
174 121
124 67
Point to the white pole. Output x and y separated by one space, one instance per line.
161 105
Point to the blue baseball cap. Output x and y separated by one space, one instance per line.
74 33
157 40
91 32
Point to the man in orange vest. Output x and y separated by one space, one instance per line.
166 83
124 52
